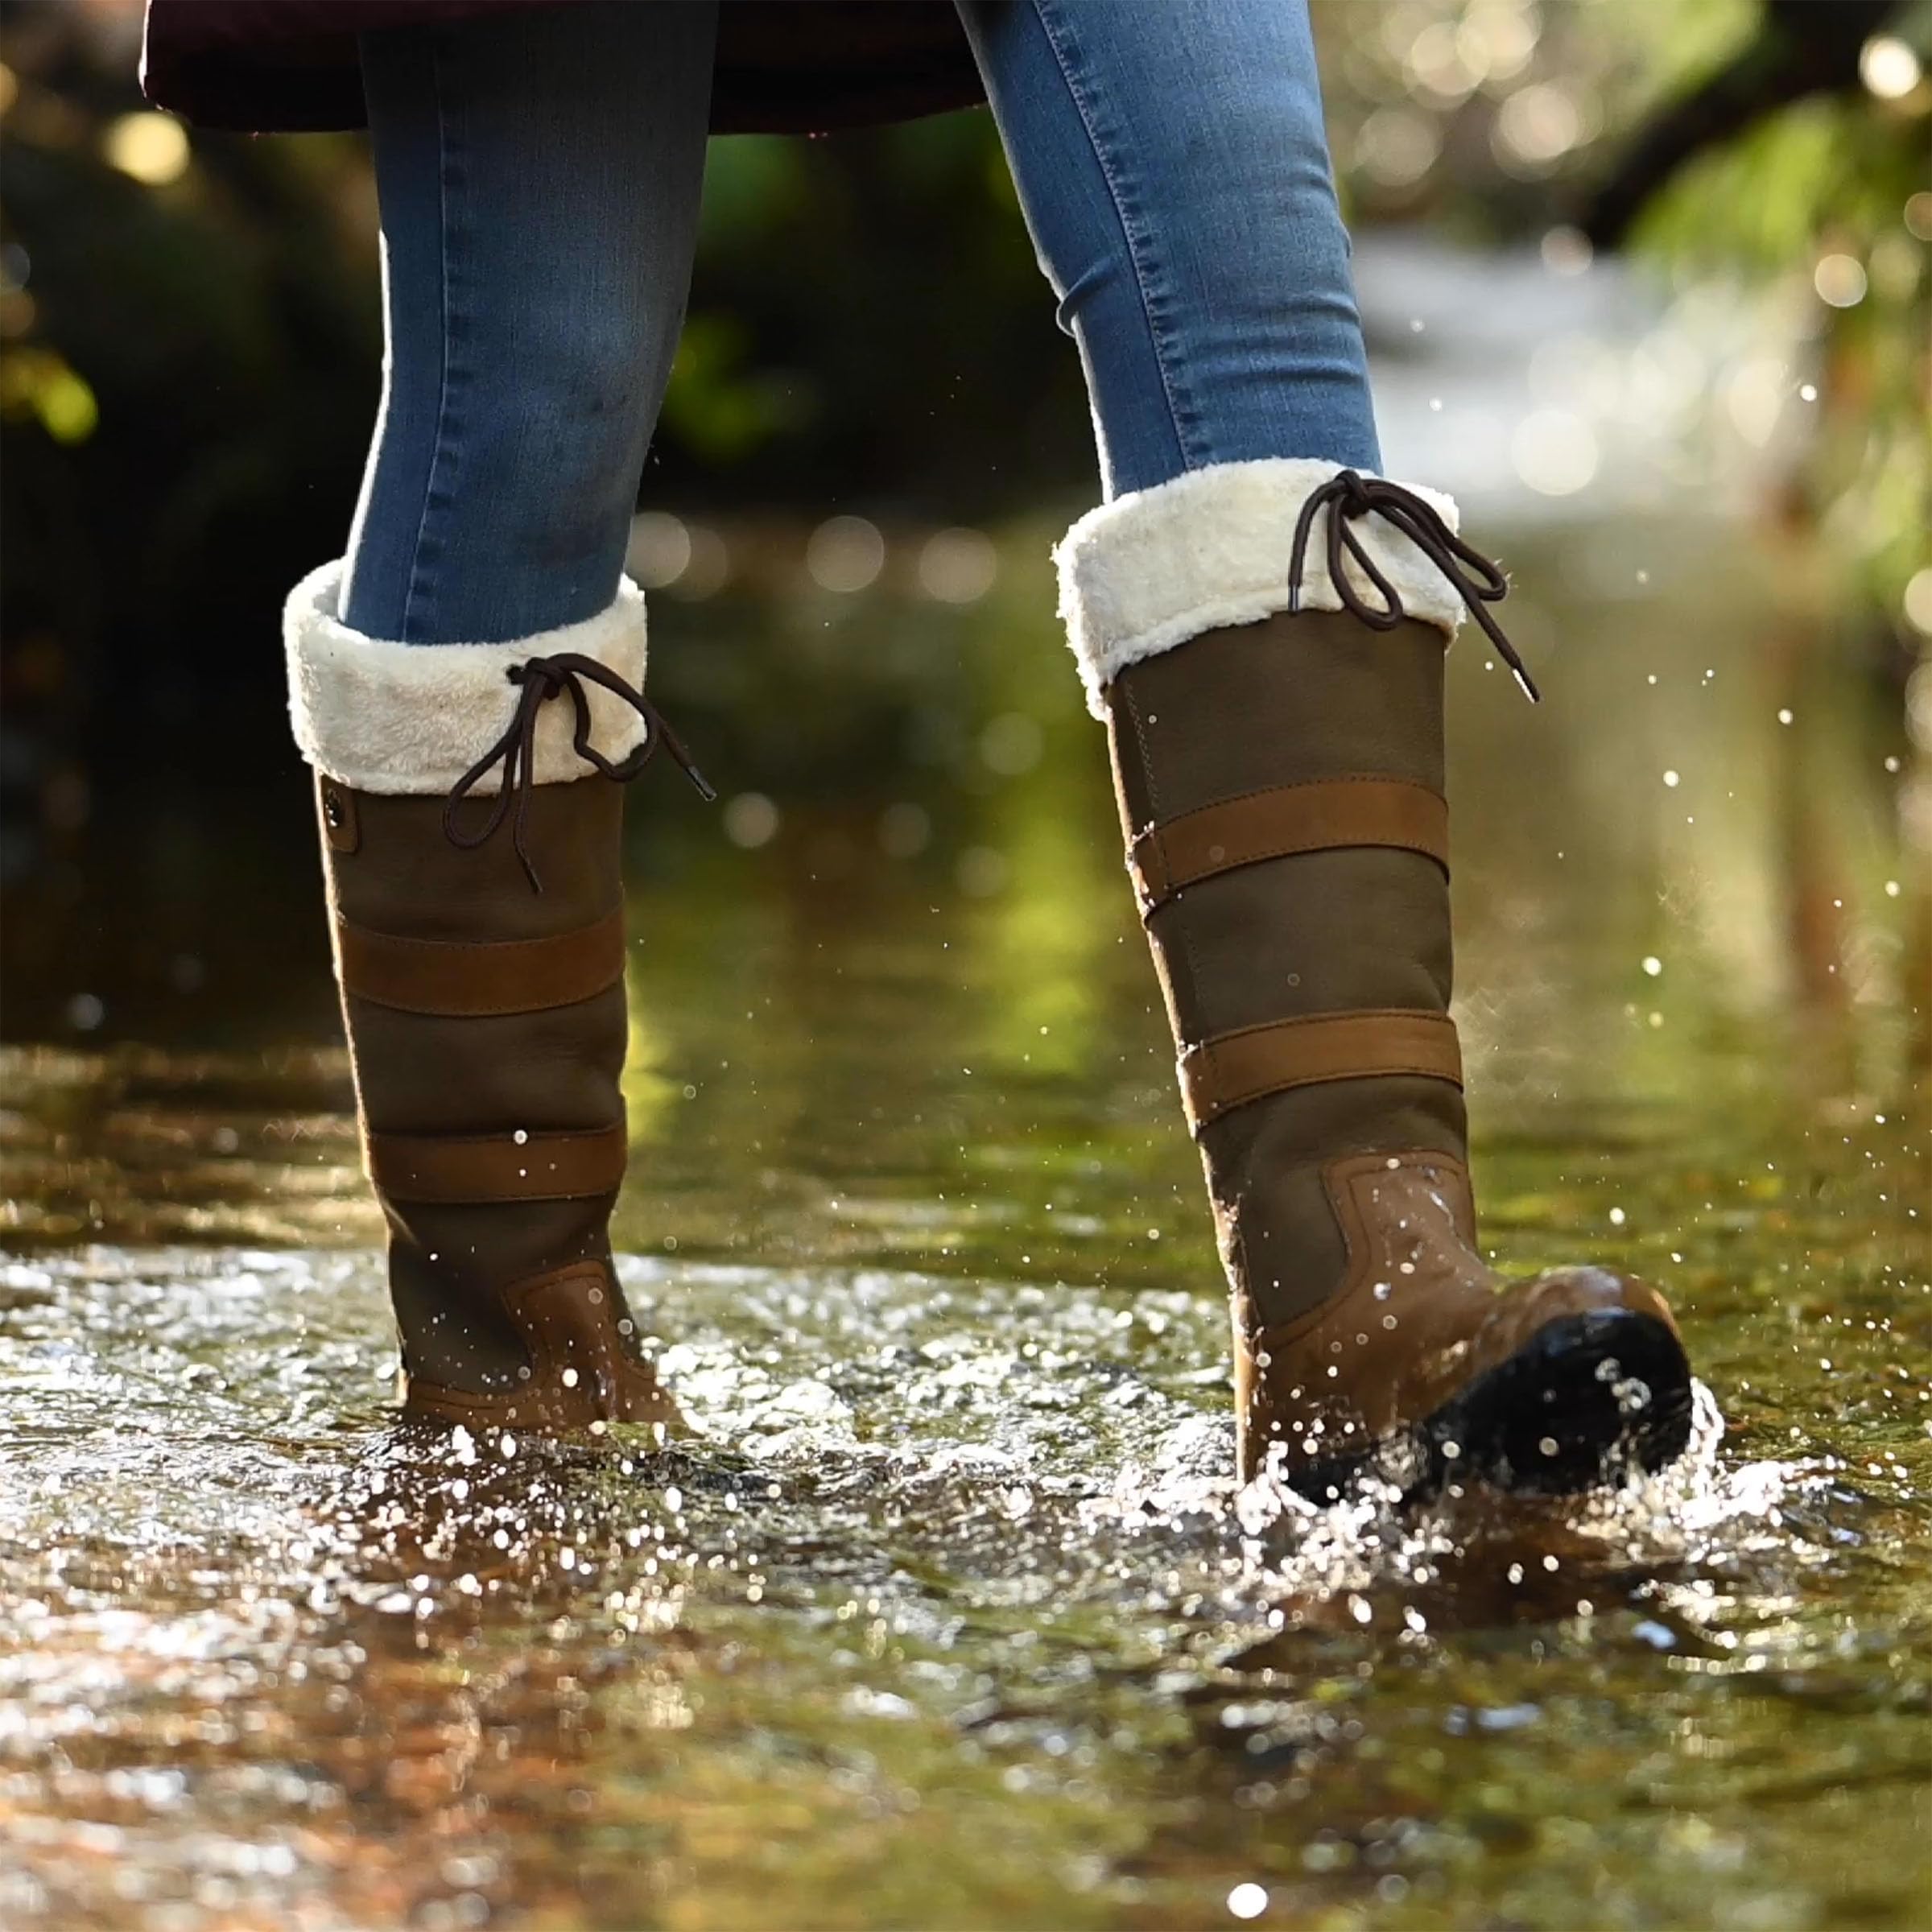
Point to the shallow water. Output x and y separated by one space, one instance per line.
949 1616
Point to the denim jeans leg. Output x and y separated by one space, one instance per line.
1174 170
538 175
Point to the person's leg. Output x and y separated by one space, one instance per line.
538 173
1261 626
538 176
1174 175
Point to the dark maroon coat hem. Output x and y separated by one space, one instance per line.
783 66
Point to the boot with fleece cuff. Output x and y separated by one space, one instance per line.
1265 641
470 836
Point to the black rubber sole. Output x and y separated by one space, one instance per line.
1587 1400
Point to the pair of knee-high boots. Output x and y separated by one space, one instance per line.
1264 642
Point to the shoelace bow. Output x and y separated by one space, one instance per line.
1348 494
538 680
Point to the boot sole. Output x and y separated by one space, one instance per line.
1591 1397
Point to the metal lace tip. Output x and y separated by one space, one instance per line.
1526 684
1295 599
701 785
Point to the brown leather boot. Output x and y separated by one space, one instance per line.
470 834
1276 722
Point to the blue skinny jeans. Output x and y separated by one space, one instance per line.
539 175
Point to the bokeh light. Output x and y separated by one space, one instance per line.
659 552
1888 68
958 566
1918 601
1839 280
1537 126
1396 146
845 554
1554 452
751 820
152 148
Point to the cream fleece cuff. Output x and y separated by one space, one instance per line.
1155 568
388 717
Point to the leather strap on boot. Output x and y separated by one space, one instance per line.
1234 1068
1283 821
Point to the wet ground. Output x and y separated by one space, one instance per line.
949 1617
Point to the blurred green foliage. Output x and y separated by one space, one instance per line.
1787 208
1499 118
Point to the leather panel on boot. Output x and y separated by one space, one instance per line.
1419 1317
406 877
544 1072
1279 1237
1313 696
447 1265
580 1366
1362 930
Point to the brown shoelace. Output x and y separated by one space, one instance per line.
1348 494
539 679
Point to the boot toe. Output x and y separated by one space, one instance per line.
1582 1377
